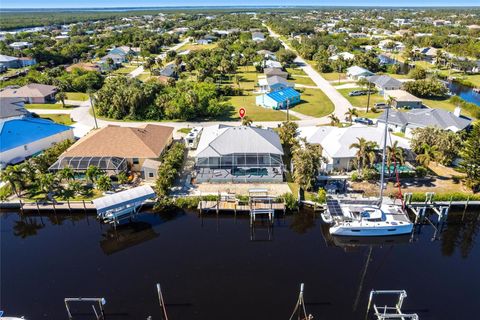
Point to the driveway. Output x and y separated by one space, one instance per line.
341 104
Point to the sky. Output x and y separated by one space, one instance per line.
154 3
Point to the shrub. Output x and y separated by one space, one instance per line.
369 174
321 196
421 171
355 176
290 201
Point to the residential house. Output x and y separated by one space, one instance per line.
22 136
238 154
280 99
390 45
274 83
272 64
405 122
15 63
20 45
269 55
384 82
31 93
203 41
116 59
403 99
427 54
270 72
258 37
347 56
170 71
124 50
115 149
356 73
336 142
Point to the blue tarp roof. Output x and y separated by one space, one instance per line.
19 132
283 95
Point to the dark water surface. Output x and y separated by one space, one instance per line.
211 269
464 92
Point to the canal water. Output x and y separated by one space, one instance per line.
464 92
216 268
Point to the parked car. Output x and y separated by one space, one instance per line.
356 93
366 121
380 105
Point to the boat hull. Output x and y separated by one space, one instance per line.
351 230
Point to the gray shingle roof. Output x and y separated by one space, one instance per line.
427 118
12 107
384 81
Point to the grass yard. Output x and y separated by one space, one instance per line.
248 77
296 72
125 70
361 101
370 114
58 118
397 76
184 130
51 106
304 80
314 103
143 76
331 76
77 96
196 47
255 112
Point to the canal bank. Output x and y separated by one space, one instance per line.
209 265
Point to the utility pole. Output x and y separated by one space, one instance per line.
90 93
368 98
288 107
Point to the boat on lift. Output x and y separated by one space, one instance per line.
367 218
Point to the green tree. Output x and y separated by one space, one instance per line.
429 153
365 155
351 112
92 173
334 121
287 133
417 73
104 183
61 96
122 177
306 165
67 174
470 154
395 154
14 176
246 121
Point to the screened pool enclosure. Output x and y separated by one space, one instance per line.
267 167
110 165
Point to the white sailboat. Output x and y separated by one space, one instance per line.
360 218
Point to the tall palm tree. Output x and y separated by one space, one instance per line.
14 176
61 96
334 121
394 154
430 153
351 112
365 155
92 173
66 174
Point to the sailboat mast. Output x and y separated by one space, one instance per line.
384 152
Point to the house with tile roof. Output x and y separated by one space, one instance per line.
238 154
115 149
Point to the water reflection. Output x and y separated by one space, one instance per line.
460 232
126 236
27 227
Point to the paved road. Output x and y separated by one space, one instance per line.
135 73
341 104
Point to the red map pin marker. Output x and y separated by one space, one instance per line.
242 112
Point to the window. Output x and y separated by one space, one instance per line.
150 174
135 161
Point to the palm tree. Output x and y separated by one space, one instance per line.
14 176
47 183
351 112
61 96
104 183
92 173
365 153
394 154
334 121
246 121
66 173
430 153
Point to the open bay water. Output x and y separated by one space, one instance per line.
217 268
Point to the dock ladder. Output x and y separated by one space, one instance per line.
390 312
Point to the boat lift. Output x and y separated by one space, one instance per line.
123 205
98 314
261 204
390 312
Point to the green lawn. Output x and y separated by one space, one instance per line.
184 130
125 70
305 80
369 114
331 76
143 76
58 118
255 112
361 101
46 106
195 46
77 96
397 76
296 72
314 103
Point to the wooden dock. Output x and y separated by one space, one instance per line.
233 206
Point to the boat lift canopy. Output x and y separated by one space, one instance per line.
124 199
